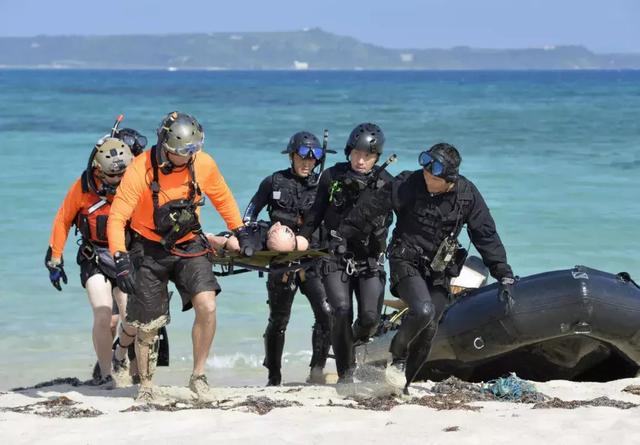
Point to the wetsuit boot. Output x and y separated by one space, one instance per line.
273 349
342 341
321 342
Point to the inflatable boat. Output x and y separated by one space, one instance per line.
578 324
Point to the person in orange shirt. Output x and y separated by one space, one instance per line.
87 205
161 194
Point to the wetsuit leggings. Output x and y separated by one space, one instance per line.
281 291
426 305
369 291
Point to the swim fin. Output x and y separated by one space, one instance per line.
163 347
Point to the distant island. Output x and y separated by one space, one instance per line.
308 49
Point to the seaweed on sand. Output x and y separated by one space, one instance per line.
61 406
573 404
259 405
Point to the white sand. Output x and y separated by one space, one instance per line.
317 422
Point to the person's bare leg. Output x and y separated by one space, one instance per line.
99 293
204 328
114 325
127 333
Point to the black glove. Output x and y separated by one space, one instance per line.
56 270
505 292
244 240
125 274
337 243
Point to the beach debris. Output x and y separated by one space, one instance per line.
262 405
443 402
633 389
573 404
61 406
452 394
176 405
450 429
381 403
513 389
72 381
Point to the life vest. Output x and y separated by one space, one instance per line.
290 198
176 218
345 190
422 226
91 219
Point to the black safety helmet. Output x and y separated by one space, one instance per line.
450 158
133 139
366 137
302 138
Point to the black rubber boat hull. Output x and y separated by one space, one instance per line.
576 324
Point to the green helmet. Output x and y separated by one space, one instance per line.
112 156
180 134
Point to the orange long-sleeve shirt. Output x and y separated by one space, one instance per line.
74 201
133 200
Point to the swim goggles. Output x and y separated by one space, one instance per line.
131 140
305 152
189 149
431 164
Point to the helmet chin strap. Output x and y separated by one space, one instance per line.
107 188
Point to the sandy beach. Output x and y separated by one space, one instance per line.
299 413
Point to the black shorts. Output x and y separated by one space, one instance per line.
155 267
89 268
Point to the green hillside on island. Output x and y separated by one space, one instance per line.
305 49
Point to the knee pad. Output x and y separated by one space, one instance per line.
426 313
153 325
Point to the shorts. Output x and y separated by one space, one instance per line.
89 268
155 267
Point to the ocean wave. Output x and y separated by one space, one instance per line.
243 360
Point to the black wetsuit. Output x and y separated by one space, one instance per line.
286 197
360 270
423 222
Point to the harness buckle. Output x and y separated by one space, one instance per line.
87 251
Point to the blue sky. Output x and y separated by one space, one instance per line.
603 26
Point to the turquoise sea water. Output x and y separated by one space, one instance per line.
556 155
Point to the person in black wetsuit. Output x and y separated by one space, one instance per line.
357 266
432 205
287 194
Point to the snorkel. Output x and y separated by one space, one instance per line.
325 149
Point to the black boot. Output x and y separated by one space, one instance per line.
419 353
342 341
361 334
320 343
273 348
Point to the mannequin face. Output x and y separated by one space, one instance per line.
280 238
302 166
362 161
